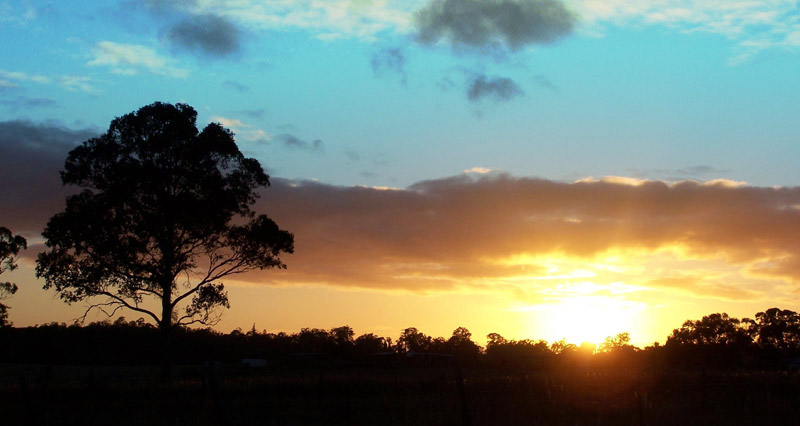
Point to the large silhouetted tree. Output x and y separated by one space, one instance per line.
165 212
10 245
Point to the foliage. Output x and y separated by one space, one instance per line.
165 213
777 328
710 330
412 339
620 343
517 353
10 245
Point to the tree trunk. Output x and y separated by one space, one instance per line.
166 334
166 353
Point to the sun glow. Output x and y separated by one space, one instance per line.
588 318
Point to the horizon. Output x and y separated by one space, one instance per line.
628 166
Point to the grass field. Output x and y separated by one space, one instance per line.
348 395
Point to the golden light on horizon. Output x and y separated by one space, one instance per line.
587 312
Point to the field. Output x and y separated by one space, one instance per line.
370 395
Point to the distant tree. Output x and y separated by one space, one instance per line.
343 336
10 245
461 345
369 344
711 329
165 213
620 342
777 328
314 340
494 339
517 353
412 339
562 347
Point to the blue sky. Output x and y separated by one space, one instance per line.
664 90
643 103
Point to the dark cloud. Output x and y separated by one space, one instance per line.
461 231
451 232
389 61
254 113
700 170
484 24
545 82
31 156
293 142
690 172
235 85
23 102
208 33
498 88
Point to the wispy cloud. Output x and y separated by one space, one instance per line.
20 102
242 130
328 19
293 142
237 86
753 26
497 88
389 61
78 83
11 78
130 59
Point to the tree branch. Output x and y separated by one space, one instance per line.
129 306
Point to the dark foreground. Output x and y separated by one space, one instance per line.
349 395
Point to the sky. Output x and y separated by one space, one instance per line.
541 169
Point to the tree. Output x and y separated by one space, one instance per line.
618 343
777 328
412 339
165 212
10 245
711 329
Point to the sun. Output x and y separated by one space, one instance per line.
588 318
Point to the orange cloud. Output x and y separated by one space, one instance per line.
444 233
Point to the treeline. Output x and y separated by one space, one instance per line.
770 340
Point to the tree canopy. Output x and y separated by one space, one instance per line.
164 213
10 245
711 329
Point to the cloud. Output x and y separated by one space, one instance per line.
77 83
243 130
545 82
498 88
700 170
483 24
8 78
235 85
22 102
389 61
753 25
293 142
206 33
31 156
486 230
327 20
496 230
130 59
